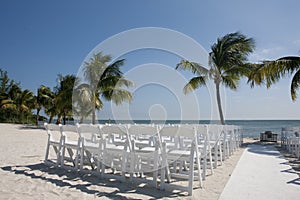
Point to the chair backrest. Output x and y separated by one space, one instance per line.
115 132
89 132
202 131
144 132
139 130
214 132
70 132
179 131
114 129
54 131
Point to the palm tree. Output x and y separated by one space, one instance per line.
269 72
43 99
9 91
63 97
227 64
24 103
83 101
105 80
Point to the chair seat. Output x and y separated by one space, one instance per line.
181 153
91 144
71 143
141 143
113 147
147 149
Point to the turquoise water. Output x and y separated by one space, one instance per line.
251 128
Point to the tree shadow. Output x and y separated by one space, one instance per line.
85 181
31 127
264 149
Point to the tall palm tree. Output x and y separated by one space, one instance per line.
106 80
227 64
269 72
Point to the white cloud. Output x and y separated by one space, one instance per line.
266 54
296 42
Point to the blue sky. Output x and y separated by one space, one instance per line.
40 39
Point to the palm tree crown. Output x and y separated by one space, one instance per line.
227 64
269 72
104 80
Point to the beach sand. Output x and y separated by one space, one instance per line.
25 176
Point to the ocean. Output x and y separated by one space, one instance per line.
251 128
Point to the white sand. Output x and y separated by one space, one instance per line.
24 176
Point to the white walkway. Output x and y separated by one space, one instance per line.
262 173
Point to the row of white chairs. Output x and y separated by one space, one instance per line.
157 154
290 140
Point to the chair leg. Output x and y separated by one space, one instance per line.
163 168
124 162
210 161
81 158
155 170
47 151
191 172
198 155
132 165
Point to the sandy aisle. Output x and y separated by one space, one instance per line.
24 176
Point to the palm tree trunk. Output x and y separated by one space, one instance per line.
219 103
37 117
94 109
50 119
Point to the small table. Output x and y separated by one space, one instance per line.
268 136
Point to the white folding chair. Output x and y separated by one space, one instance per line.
188 154
72 143
214 136
55 139
205 148
145 151
116 149
92 145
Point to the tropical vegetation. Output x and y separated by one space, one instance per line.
271 71
227 64
104 81
16 104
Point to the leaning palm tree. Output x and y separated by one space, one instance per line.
227 64
271 71
107 81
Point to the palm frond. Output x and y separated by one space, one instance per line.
193 67
231 81
288 64
231 50
113 69
117 95
295 85
194 83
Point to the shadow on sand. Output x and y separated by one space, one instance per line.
84 182
264 149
